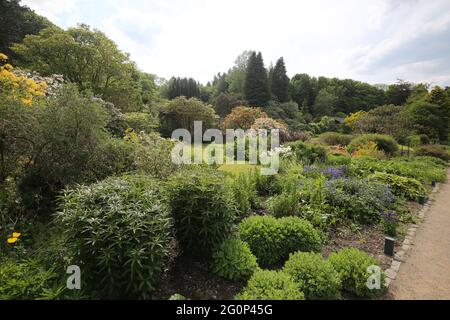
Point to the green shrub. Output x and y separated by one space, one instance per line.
266 185
385 143
433 150
308 153
203 209
339 159
316 277
233 260
424 169
271 240
335 138
270 285
418 140
177 296
26 280
245 195
285 204
352 265
140 121
408 188
118 232
359 200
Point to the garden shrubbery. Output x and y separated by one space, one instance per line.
271 240
203 209
385 143
119 232
308 153
352 266
233 260
271 285
433 150
409 188
335 138
316 277
359 200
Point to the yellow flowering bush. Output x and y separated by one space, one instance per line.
352 118
18 87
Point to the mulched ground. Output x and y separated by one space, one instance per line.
193 280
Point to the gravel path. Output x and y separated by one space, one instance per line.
425 274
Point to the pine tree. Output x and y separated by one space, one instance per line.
256 86
280 81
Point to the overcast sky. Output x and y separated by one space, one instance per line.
375 41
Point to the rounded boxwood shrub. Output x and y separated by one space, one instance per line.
335 138
271 285
316 277
234 261
352 264
119 233
433 150
271 240
385 143
203 209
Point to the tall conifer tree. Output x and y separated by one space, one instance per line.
280 81
256 86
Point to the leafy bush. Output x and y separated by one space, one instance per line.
433 150
271 285
177 296
140 121
26 280
408 188
359 200
115 223
425 169
352 264
245 195
335 138
203 209
385 143
266 185
271 240
418 140
233 260
285 204
316 277
308 153
370 149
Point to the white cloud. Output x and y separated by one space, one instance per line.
199 38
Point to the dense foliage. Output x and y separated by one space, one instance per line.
115 223
271 285
316 277
233 260
271 240
203 209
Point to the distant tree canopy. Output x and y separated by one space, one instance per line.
187 87
90 60
256 85
397 94
350 95
16 22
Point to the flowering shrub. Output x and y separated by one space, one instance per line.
359 199
370 149
18 87
385 143
390 223
269 124
271 285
